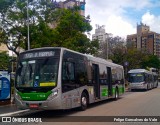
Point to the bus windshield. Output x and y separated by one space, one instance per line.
136 77
37 73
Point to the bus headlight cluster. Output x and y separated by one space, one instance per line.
53 95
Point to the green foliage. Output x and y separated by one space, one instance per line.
14 24
93 47
4 4
135 58
2 36
118 55
4 61
68 31
151 61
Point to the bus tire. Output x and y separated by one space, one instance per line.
84 101
116 94
147 88
156 85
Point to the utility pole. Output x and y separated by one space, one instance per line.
28 25
106 39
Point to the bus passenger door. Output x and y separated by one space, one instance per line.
109 81
95 77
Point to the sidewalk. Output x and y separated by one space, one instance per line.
8 108
7 102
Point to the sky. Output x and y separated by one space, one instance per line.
120 17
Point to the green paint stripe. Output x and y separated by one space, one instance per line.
121 90
34 96
113 90
104 92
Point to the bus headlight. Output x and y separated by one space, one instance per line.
53 95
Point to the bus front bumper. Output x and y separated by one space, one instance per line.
44 105
138 86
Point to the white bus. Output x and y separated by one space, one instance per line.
155 77
142 79
155 80
59 78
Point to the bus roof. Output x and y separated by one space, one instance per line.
42 48
101 60
89 57
138 71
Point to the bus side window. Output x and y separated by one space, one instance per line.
68 76
81 73
71 71
145 77
68 72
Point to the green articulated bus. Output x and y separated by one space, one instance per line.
58 78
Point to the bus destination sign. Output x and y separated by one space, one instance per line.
38 54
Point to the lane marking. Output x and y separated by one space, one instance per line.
12 113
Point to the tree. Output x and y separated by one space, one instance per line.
118 55
115 44
135 58
4 4
151 61
13 20
4 61
68 31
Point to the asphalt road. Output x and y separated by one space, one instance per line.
137 103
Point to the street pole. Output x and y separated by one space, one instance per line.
12 62
107 47
106 35
28 26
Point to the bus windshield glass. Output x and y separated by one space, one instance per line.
136 77
37 73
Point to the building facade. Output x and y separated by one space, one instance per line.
145 39
70 4
102 37
65 4
100 34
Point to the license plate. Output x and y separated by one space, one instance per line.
33 105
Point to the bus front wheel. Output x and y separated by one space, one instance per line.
84 101
147 88
116 94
